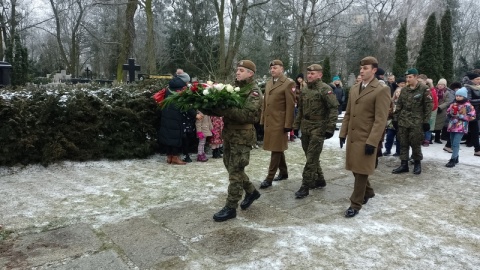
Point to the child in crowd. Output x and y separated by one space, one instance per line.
204 129
459 114
216 139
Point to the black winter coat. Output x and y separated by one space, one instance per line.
173 124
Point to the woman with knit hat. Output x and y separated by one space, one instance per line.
460 113
445 98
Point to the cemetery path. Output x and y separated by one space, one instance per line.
145 214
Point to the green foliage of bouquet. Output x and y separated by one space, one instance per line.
207 96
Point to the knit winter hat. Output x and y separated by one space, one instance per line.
177 83
336 78
442 81
184 76
300 75
462 92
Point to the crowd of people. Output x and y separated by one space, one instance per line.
409 112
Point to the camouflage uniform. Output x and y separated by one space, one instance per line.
413 109
317 114
238 138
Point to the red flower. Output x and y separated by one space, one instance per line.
194 87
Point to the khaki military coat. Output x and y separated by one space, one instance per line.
364 123
277 113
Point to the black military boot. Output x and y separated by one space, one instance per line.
417 167
265 184
249 198
216 153
225 214
402 168
302 192
451 163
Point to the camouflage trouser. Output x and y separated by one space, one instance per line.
312 144
411 137
236 157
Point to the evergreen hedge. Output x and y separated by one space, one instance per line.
45 124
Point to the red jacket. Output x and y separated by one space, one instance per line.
434 98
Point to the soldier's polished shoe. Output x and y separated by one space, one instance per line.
302 192
280 177
249 198
366 198
265 184
351 212
402 168
417 167
319 184
225 214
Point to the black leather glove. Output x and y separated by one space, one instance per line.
342 142
369 149
287 129
328 135
426 127
439 110
395 125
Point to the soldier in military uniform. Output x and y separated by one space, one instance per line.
316 117
277 119
362 128
238 138
411 119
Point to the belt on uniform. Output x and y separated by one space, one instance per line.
308 117
245 126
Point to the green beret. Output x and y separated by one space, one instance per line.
369 60
276 62
412 71
247 64
314 67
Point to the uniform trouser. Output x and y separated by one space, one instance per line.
411 137
236 157
361 189
312 145
277 161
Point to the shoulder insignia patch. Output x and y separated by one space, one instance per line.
293 89
255 94
329 92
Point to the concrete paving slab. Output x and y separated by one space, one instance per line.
107 260
145 243
38 249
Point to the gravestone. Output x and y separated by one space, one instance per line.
131 67
61 77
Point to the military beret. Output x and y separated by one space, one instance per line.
472 76
247 64
369 60
412 71
276 62
314 67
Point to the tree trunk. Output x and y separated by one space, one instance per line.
151 65
127 42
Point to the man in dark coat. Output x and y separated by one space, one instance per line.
473 92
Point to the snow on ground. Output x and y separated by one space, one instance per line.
425 221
